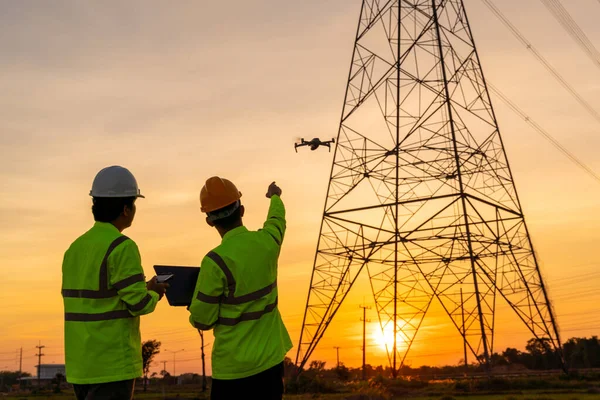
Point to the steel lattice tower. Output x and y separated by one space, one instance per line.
421 195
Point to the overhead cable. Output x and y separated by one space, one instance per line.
516 109
573 29
541 59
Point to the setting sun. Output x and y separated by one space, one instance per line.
385 338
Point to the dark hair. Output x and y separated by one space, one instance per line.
230 222
107 209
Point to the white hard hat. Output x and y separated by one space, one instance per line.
115 181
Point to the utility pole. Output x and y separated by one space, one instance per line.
204 385
364 346
20 362
338 355
39 355
164 365
174 360
464 332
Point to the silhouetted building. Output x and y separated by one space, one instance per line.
47 372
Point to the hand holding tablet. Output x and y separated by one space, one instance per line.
182 283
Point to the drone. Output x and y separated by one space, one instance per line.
314 144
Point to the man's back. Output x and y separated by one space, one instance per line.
237 294
104 293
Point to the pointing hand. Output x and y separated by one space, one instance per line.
273 190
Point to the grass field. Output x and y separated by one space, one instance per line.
560 387
344 396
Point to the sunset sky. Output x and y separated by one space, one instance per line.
180 91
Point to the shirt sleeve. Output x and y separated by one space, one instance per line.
127 276
209 289
275 223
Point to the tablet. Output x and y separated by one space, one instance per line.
164 278
181 286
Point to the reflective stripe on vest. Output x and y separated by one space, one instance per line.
248 316
203 327
230 279
83 317
101 294
105 293
139 306
230 299
237 300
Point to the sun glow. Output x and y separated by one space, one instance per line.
385 338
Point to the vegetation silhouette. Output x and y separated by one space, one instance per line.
150 349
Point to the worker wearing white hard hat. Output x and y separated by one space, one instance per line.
116 182
105 293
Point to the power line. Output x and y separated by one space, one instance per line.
517 110
582 277
573 29
541 59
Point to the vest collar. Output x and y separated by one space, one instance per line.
106 226
234 232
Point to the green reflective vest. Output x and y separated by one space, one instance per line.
104 293
236 294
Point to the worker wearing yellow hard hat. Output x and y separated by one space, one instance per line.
236 295
104 293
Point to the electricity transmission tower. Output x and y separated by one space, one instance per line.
421 196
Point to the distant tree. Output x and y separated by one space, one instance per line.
342 372
57 382
288 363
582 352
12 377
541 354
369 370
290 369
512 356
150 349
497 359
317 365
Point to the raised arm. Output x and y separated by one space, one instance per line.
275 223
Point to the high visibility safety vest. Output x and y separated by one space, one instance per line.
104 293
236 294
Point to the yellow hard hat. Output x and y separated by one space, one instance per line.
218 193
